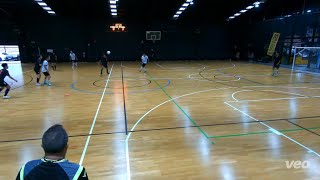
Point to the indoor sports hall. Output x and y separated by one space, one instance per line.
154 89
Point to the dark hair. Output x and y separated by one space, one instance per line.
4 65
55 139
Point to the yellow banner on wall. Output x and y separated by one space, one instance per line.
273 43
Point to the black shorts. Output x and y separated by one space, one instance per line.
104 65
46 73
3 84
143 64
276 66
37 71
74 61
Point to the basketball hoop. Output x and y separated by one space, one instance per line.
153 36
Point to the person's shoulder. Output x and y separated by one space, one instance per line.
33 163
69 164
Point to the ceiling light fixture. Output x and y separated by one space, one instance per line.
45 7
183 7
255 4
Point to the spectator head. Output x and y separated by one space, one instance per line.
55 140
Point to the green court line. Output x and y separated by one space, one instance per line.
262 132
192 121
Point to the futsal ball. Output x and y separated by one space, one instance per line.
108 52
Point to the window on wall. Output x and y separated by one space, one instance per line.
9 53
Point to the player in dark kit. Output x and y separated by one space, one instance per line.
276 64
104 63
37 69
54 60
3 74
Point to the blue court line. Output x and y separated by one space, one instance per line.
72 86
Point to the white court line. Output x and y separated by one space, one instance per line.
141 118
274 130
95 118
275 99
159 65
233 94
315 73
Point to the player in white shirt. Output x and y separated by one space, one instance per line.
74 59
45 71
144 61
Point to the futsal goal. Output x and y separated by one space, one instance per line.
306 59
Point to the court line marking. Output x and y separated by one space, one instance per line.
95 118
178 97
273 130
148 112
159 65
179 107
233 94
201 79
215 69
275 99
173 128
72 86
307 72
261 132
25 84
177 68
303 128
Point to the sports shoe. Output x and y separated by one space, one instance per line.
38 84
49 84
6 97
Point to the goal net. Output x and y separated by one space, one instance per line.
306 59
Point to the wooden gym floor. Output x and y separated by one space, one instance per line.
186 120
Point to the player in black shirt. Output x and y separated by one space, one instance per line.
54 60
104 63
276 64
37 67
53 166
3 74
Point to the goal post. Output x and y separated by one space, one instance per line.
306 59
